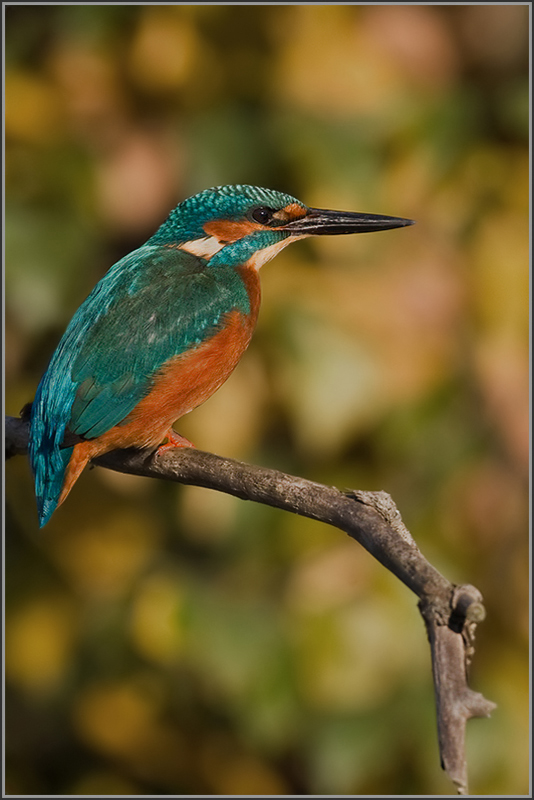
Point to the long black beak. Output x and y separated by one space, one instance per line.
320 221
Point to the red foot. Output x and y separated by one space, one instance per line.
174 440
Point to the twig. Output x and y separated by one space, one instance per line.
450 612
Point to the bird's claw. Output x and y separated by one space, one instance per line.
173 440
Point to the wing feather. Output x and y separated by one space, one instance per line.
156 303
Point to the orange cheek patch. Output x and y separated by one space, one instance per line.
294 211
289 213
227 231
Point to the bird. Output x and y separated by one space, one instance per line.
164 328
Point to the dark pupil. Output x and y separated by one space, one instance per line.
262 215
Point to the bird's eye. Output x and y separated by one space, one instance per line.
263 215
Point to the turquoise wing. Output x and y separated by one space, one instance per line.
154 304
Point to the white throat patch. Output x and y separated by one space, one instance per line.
204 248
261 257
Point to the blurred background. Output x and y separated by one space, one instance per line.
171 640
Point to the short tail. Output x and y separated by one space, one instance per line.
49 461
49 476
55 462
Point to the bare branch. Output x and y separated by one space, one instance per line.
450 612
452 647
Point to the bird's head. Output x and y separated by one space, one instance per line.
240 224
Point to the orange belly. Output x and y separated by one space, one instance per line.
181 385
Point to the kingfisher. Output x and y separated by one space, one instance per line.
164 328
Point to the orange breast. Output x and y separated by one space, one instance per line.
181 385
186 381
